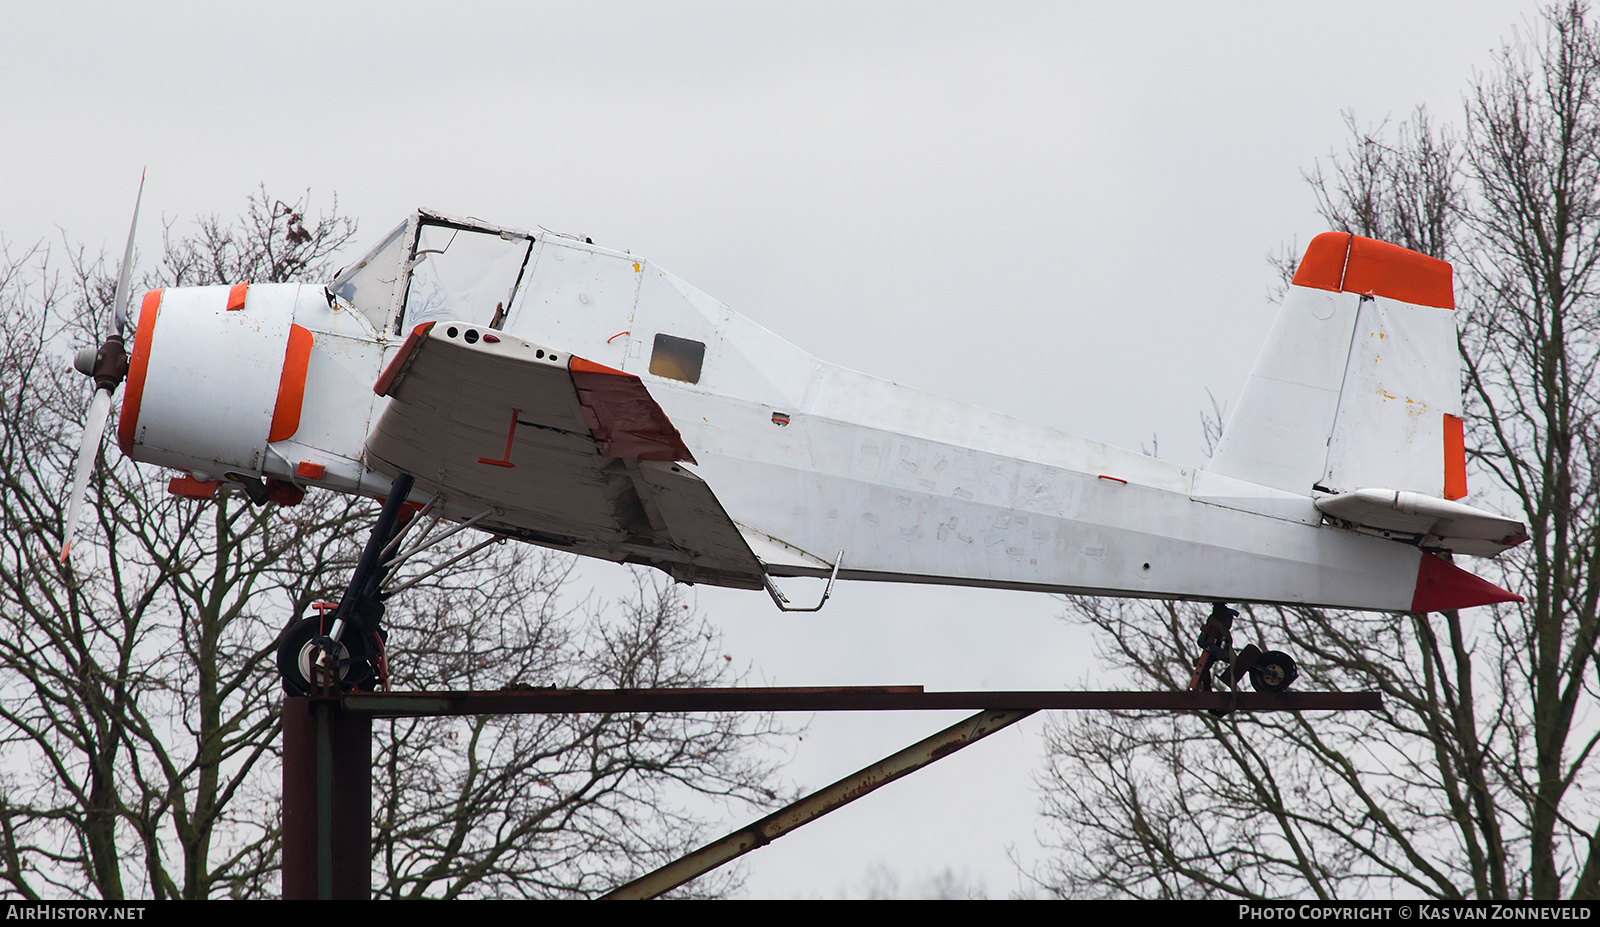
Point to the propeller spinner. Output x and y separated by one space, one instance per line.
108 365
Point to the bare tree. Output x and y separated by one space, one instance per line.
557 805
138 701
1475 781
135 711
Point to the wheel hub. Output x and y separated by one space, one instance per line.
313 650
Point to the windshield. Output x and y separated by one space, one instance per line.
464 274
369 284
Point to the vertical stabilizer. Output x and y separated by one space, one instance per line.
1359 384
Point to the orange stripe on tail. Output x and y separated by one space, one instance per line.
1455 458
1346 263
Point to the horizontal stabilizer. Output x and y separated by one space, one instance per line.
1424 520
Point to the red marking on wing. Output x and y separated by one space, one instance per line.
291 385
138 366
307 470
1442 585
505 458
622 416
1348 263
236 296
401 359
1455 457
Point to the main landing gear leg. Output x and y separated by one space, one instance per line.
344 651
1269 671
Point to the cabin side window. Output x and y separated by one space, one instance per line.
677 358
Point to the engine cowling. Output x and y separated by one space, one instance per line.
216 373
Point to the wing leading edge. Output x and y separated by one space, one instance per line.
569 453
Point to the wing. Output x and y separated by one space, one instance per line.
570 454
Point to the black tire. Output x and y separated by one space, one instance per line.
1273 671
300 646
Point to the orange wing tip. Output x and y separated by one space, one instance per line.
1442 585
578 364
402 360
66 550
1346 263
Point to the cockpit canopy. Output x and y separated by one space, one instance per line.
433 266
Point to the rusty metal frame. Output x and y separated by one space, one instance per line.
815 805
832 698
327 754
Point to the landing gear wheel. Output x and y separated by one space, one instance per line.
1273 671
305 642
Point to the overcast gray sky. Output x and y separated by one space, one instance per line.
1058 210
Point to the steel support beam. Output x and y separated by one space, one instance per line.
847 698
816 805
327 756
327 801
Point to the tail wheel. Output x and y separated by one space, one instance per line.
1273 671
305 643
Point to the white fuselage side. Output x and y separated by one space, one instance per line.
915 487
808 459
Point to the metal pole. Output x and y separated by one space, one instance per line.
324 803
816 805
327 801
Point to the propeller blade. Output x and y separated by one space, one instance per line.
93 428
120 306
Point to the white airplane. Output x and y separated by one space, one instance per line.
539 387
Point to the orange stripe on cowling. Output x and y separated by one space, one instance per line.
291 385
1455 457
138 366
236 296
1342 262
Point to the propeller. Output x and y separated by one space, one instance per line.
108 365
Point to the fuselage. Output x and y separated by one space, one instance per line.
817 465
